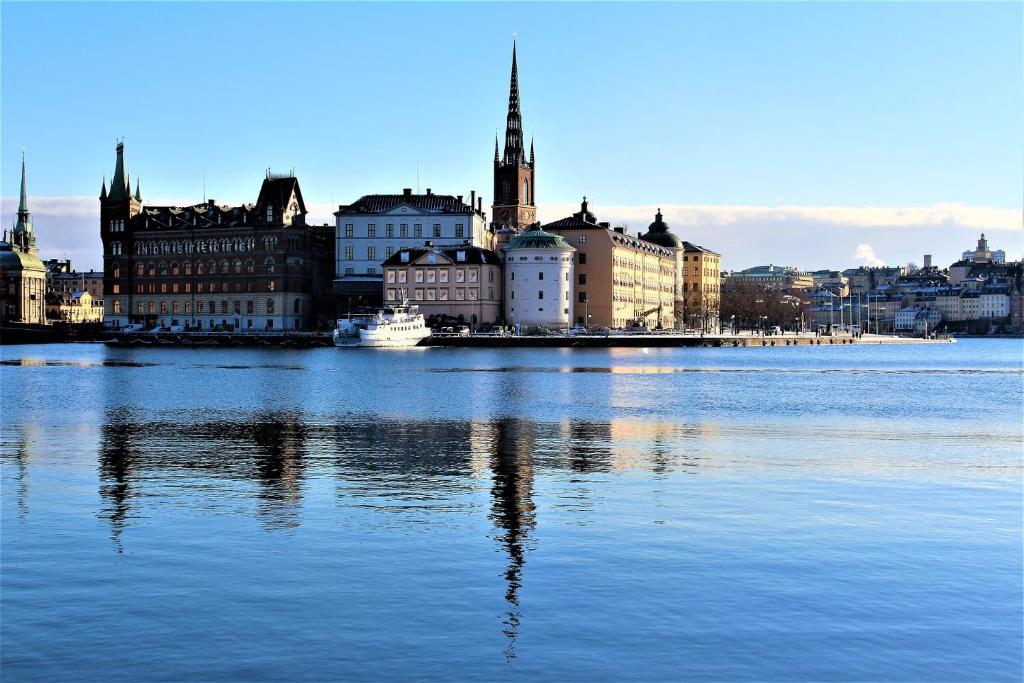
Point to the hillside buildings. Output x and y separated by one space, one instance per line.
209 266
460 283
22 274
982 254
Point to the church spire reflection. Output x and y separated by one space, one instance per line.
513 512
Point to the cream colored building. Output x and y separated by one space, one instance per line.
539 278
74 307
462 282
619 278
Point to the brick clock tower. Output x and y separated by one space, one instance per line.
514 203
117 209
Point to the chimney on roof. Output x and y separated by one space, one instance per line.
606 225
429 192
480 205
406 191
621 230
472 199
459 197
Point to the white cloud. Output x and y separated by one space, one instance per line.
866 255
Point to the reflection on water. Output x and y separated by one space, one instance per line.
246 514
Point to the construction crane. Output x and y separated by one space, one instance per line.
640 318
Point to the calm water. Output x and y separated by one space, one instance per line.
703 514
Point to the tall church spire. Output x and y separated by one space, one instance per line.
514 152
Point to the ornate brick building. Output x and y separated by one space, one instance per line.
253 267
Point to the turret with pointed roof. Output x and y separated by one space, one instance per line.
514 192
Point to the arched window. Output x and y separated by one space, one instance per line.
270 306
117 305
250 267
238 265
174 269
505 191
188 269
117 270
298 307
152 269
270 214
223 266
269 263
526 191
140 269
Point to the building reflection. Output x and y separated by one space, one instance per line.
22 457
117 458
513 511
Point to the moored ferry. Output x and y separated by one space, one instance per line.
398 326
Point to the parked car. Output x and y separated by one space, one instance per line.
577 330
156 329
134 327
177 328
462 330
775 330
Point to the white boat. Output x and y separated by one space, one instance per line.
398 326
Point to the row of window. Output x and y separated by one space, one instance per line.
403 230
442 294
211 267
224 244
206 307
186 287
540 294
540 276
437 276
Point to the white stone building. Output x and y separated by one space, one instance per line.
539 280
373 228
994 304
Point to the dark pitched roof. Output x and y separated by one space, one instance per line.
581 219
277 190
691 247
427 203
473 255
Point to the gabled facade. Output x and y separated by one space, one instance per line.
461 282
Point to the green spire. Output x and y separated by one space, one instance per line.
119 188
24 224
138 192
103 190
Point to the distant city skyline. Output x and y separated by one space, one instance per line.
808 135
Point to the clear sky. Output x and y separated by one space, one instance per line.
784 133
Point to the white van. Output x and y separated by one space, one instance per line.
134 327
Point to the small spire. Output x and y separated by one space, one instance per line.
583 205
138 192
531 150
495 146
23 205
103 189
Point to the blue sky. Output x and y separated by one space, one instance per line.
844 106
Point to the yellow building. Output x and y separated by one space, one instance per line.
74 307
619 278
702 287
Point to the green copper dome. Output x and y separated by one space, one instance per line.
538 239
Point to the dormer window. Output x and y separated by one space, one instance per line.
270 214
460 256
405 257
